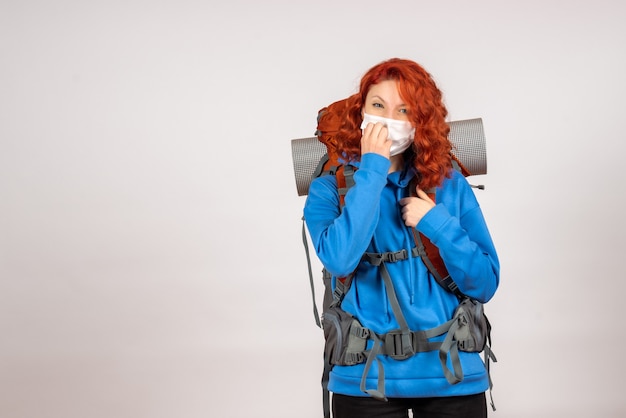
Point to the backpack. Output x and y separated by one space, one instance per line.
345 338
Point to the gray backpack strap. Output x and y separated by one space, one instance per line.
308 262
406 337
342 285
379 392
348 173
488 357
325 392
449 345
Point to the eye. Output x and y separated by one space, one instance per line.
405 111
379 105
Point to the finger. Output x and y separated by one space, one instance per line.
383 132
376 130
422 194
368 129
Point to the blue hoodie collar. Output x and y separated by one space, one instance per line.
404 177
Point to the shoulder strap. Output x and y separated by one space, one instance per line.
429 253
345 180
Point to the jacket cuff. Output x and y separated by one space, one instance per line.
375 163
433 221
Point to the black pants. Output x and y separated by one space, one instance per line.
472 406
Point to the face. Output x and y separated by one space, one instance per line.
383 99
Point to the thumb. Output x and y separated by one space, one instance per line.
422 194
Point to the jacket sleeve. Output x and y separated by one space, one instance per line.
341 236
465 245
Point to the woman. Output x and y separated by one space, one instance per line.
396 135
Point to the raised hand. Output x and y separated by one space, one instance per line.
374 139
415 207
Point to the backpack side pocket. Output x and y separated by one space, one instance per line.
346 339
474 327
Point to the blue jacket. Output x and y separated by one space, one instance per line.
371 221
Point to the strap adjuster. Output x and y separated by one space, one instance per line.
360 332
397 256
376 259
399 345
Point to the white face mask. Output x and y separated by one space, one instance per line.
400 132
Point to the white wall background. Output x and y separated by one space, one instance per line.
150 254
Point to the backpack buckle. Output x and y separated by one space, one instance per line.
396 256
399 345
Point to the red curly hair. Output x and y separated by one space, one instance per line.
431 149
